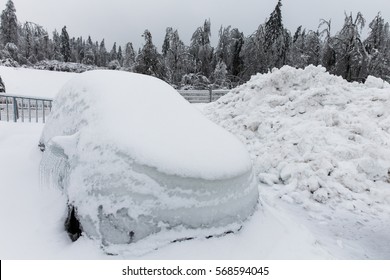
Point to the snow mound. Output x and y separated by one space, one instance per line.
134 158
314 137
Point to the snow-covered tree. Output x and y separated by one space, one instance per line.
377 45
9 25
65 45
220 75
149 61
129 57
2 86
351 56
276 39
113 53
120 56
328 53
175 56
102 56
228 50
201 49
89 57
254 54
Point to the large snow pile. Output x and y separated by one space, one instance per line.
315 138
139 159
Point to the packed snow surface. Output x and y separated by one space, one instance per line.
134 155
33 83
316 141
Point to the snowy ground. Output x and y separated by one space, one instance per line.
291 223
31 82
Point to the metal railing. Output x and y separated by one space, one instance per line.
23 108
202 96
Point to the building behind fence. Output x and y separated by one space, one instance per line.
34 109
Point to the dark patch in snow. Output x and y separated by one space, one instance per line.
72 224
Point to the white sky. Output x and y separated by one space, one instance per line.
124 21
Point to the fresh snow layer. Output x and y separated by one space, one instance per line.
147 119
33 217
135 158
33 83
317 141
32 220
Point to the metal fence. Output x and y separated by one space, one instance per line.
202 96
28 109
23 108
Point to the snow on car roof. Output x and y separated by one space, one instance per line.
147 119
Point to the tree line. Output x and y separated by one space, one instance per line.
198 65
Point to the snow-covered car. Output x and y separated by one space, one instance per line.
134 159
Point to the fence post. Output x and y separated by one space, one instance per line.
36 110
22 110
43 111
7 110
211 94
15 105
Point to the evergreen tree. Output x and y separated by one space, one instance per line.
175 56
236 64
276 39
113 53
274 26
148 59
89 57
297 57
120 56
129 57
102 54
65 45
9 25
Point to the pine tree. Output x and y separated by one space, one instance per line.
120 56
113 53
89 57
65 46
148 59
236 64
129 57
274 26
9 25
276 39
102 54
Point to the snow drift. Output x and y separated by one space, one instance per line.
315 138
135 159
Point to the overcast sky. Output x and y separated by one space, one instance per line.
124 21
